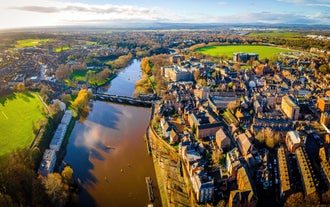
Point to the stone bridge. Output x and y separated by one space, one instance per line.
123 100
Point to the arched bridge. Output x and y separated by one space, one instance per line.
123 100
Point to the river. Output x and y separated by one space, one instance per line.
108 153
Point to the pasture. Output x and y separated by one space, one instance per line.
17 114
263 51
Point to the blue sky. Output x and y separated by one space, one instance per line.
23 13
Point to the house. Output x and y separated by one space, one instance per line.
324 154
245 195
284 179
222 140
290 108
244 144
244 57
202 92
232 161
323 103
47 163
218 103
203 186
166 128
173 136
306 172
205 124
58 137
293 141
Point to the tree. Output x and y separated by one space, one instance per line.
295 200
197 75
80 103
148 69
20 87
56 189
63 72
268 137
324 69
326 197
313 199
67 174
6 200
66 98
18 181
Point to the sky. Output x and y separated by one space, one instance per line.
35 13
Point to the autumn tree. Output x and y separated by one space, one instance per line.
56 189
19 182
326 197
67 174
197 75
66 98
324 69
295 200
20 87
63 72
80 103
144 64
313 199
268 137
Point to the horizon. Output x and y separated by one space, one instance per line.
20 14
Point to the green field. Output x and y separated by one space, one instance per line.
30 42
79 75
263 51
60 49
17 112
285 34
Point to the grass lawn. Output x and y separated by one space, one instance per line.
30 42
59 49
229 117
17 112
79 75
263 51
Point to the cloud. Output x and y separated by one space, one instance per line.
273 18
101 12
320 5
41 9
317 3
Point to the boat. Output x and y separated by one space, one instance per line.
150 189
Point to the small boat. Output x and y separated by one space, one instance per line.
109 147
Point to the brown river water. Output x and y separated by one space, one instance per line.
108 152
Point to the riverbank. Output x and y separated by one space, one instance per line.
171 182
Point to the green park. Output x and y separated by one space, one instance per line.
18 113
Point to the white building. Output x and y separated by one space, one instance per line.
48 162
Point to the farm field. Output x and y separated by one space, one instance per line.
30 42
17 113
263 51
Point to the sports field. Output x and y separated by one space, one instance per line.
17 113
263 51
